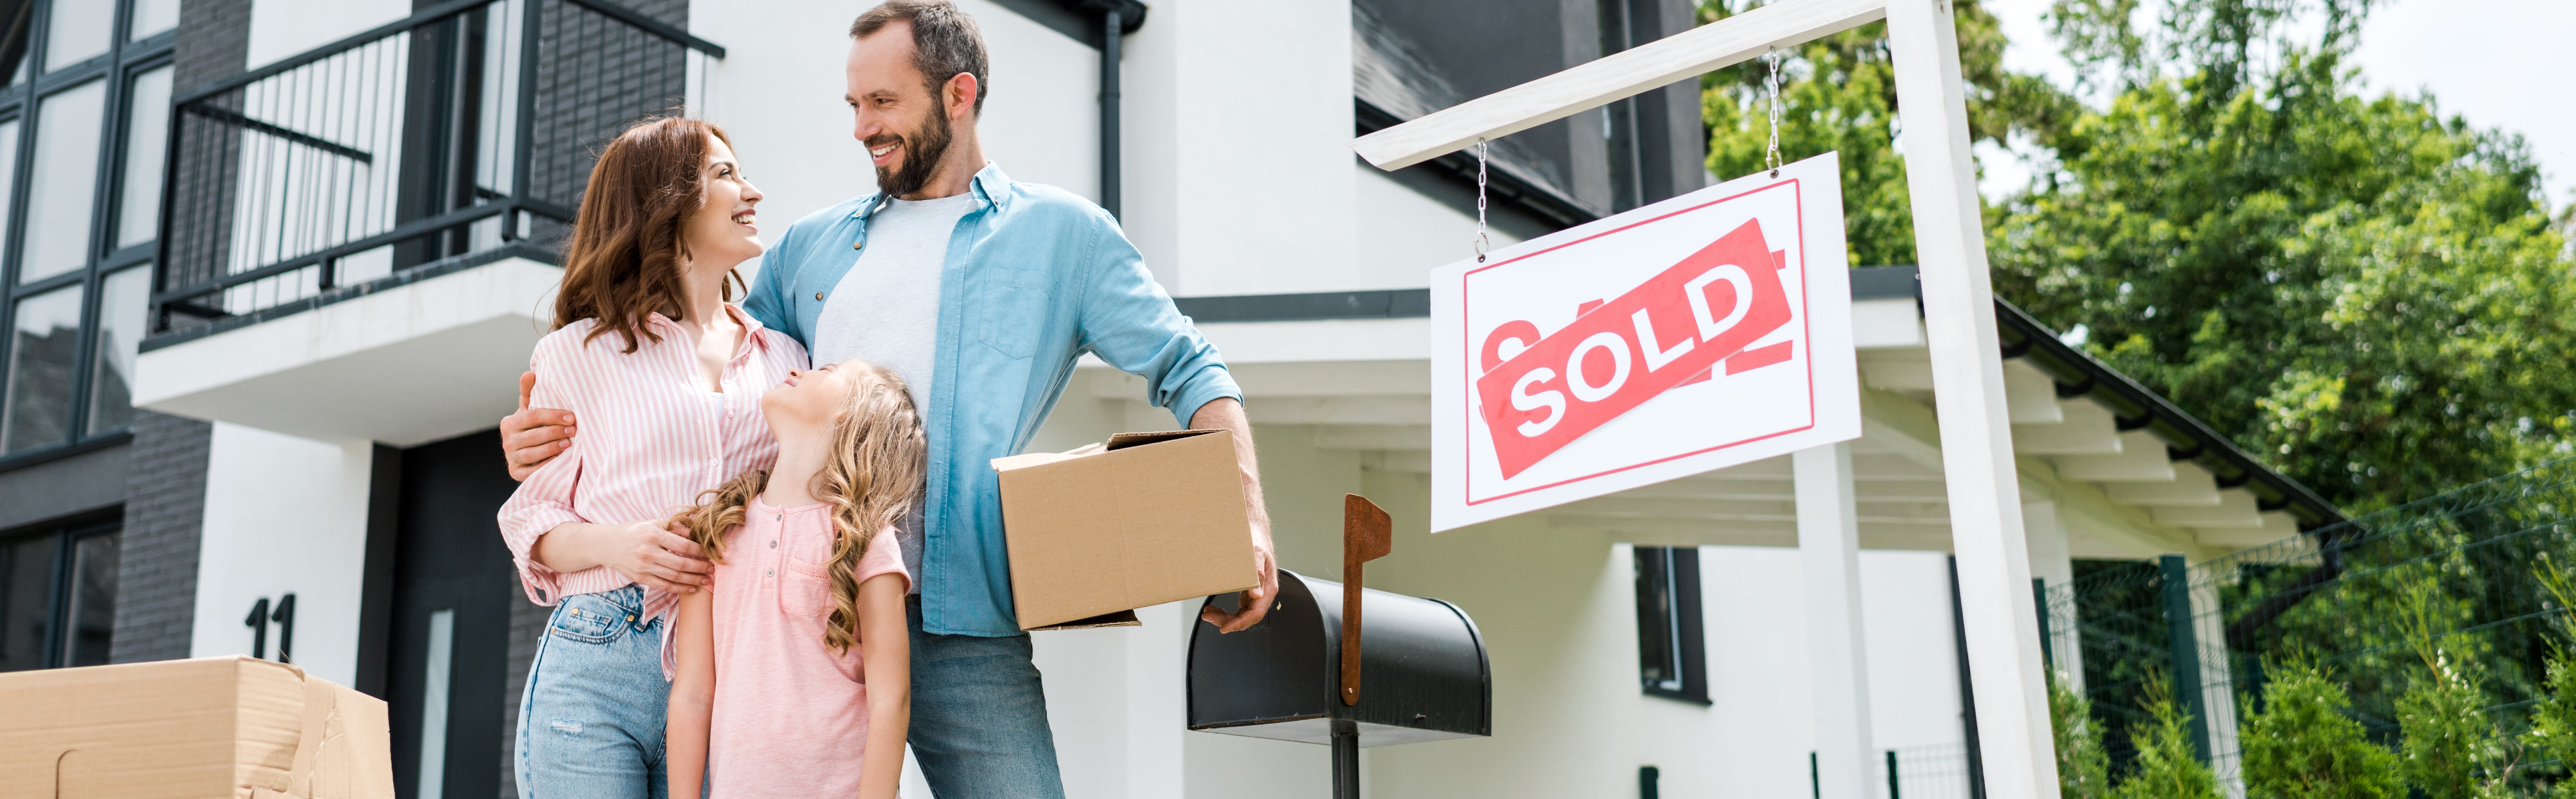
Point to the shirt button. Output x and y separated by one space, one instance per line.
818 295
773 545
770 573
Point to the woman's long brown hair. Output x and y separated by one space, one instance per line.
871 482
627 249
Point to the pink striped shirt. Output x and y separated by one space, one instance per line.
651 438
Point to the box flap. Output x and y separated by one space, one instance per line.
1124 618
224 726
1125 440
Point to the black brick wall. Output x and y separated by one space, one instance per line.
165 505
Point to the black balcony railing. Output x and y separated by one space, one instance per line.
458 135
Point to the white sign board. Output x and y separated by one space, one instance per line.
1697 333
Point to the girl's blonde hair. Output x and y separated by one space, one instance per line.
872 480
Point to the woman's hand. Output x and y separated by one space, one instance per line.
651 553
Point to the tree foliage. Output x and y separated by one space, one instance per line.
2367 294
2167 766
2083 766
2304 744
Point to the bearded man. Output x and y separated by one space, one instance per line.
981 292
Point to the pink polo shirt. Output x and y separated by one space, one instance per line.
789 717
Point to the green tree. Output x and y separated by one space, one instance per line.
2305 744
2371 296
2365 293
1838 94
2166 766
2553 721
2083 767
2451 749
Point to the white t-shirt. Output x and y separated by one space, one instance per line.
886 310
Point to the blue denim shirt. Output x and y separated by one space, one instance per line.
1036 276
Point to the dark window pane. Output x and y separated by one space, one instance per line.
122 309
1658 636
92 615
43 346
147 132
65 175
26 601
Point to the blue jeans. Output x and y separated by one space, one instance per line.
979 723
590 721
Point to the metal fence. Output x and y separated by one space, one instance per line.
2464 572
468 127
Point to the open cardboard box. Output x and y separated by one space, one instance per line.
209 727
1137 521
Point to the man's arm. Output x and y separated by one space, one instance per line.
533 436
1226 413
1131 324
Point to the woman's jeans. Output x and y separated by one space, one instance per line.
590 721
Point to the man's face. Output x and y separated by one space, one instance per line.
901 120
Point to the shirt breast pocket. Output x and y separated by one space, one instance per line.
1007 310
805 582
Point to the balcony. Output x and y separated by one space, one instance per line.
398 196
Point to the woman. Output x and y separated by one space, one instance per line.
666 376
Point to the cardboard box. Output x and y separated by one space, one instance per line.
209 727
1143 519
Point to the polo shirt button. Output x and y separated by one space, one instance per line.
770 573
773 545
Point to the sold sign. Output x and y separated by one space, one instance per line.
1630 349
1693 334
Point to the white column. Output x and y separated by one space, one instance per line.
2001 621
284 515
1837 661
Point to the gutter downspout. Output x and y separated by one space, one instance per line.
1118 18
1112 23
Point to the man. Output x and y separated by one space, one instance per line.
981 293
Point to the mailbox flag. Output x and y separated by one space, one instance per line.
1693 334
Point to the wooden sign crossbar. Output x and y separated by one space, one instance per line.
1983 482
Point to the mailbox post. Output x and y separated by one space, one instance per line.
1320 670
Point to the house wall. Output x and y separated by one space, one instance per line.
284 515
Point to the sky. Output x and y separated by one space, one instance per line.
2500 64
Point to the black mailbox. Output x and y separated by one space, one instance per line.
1423 673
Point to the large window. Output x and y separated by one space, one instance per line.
1672 659
57 595
84 120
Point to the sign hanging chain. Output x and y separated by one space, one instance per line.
1482 244
1773 158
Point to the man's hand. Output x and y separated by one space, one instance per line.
533 436
1254 604
1226 413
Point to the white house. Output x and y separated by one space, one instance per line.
288 386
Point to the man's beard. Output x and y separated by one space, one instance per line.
922 150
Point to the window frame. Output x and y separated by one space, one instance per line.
1683 624
67 535
124 61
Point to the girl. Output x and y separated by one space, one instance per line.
805 617
665 375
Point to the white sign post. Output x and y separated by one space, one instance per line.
1697 333
1981 479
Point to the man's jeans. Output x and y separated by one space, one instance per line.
979 723
591 718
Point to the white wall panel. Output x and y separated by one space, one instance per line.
284 515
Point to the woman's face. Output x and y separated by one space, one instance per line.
809 399
723 232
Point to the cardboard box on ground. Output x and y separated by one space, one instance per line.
1137 521
208 727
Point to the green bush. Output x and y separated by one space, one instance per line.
2304 745
2451 751
2166 767
2553 722
2083 768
